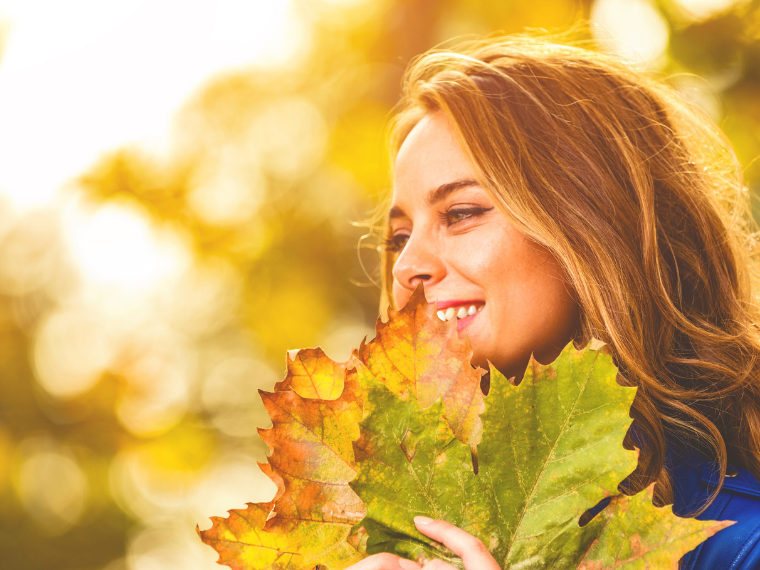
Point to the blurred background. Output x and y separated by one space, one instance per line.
180 182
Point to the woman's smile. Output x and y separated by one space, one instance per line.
464 311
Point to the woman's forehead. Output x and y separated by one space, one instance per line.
431 136
430 157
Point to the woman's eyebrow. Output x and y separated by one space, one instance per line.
440 193
396 212
436 195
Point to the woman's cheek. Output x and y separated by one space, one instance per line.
400 295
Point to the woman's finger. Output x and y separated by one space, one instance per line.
385 562
472 551
438 565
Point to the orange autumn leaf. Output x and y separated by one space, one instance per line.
311 457
312 374
242 543
311 519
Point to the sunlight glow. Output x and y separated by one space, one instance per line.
345 3
52 485
632 29
156 395
290 136
116 245
71 351
229 191
92 76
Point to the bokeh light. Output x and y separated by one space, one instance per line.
704 9
633 29
182 191
51 484
290 136
80 78
115 245
229 190
71 351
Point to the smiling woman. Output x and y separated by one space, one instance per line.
547 194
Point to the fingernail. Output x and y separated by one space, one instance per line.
408 564
422 520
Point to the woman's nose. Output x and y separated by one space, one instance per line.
418 261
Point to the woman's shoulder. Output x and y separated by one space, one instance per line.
736 547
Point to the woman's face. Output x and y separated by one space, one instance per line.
448 234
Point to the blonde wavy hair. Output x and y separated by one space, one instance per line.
640 198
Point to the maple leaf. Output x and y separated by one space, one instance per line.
551 448
243 545
311 457
312 374
315 417
637 535
315 412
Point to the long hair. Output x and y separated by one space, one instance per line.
640 199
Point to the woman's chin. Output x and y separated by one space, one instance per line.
480 359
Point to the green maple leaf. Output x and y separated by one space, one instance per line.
551 448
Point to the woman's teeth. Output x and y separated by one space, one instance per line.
462 312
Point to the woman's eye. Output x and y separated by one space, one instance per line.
456 215
396 243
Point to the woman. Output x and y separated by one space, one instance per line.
547 194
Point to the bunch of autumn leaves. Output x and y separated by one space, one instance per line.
403 429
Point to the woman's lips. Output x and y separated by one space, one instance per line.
441 305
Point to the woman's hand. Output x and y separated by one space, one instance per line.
467 547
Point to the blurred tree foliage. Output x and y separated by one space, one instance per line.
267 171
724 51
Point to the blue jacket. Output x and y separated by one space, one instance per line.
736 547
